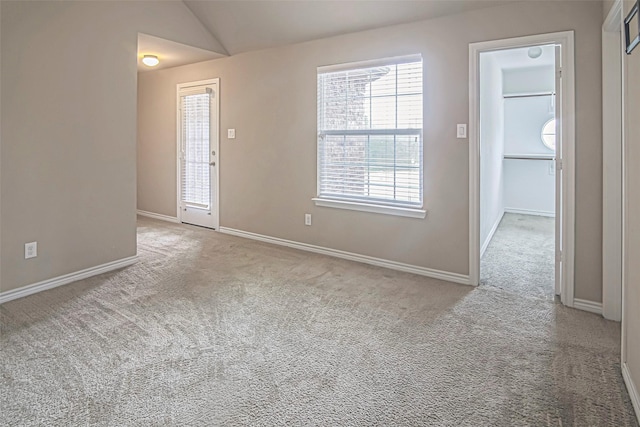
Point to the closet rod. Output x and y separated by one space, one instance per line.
528 95
528 157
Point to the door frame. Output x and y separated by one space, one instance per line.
214 144
612 164
566 40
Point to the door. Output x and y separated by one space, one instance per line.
559 178
198 153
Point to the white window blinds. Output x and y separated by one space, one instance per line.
195 136
370 132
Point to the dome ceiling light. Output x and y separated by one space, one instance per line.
150 60
534 52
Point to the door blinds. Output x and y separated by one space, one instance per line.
195 137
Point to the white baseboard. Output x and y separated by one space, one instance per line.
633 391
485 245
530 212
586 305
428 272
159 216
65 279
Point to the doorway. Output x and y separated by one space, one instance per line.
198 147
517 170
521 165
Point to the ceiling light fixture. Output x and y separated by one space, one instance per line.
534 52
150 60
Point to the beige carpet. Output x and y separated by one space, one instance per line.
208 329
521 256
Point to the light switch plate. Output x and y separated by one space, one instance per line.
461 131
231 133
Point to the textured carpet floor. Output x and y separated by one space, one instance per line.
208 329
521 256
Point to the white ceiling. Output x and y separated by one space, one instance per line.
242 26
170 53
519 58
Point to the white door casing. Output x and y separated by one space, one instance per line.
559 264
566 146
612 164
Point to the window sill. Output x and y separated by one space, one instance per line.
366 207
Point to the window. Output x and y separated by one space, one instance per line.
370 133
549 134
195 150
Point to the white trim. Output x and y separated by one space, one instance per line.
65 279
530 212
559 178
632 389
485 245
613 22
513 156
325 69
215 145
526 94
586 305
158 216
393 265
366 207
474 165
566 40
197 83
625 222
568 126
612 164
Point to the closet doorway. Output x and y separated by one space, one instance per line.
520 204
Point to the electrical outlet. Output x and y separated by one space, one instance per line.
30 250
231 133
307 219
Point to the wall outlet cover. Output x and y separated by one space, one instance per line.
30 250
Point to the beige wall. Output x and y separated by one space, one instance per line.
268 174
631 310
68 130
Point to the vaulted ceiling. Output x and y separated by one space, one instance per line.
237 26
242 26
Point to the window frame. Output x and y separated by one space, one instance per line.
555 134
371 204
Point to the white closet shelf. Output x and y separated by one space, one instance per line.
530 156
527 95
